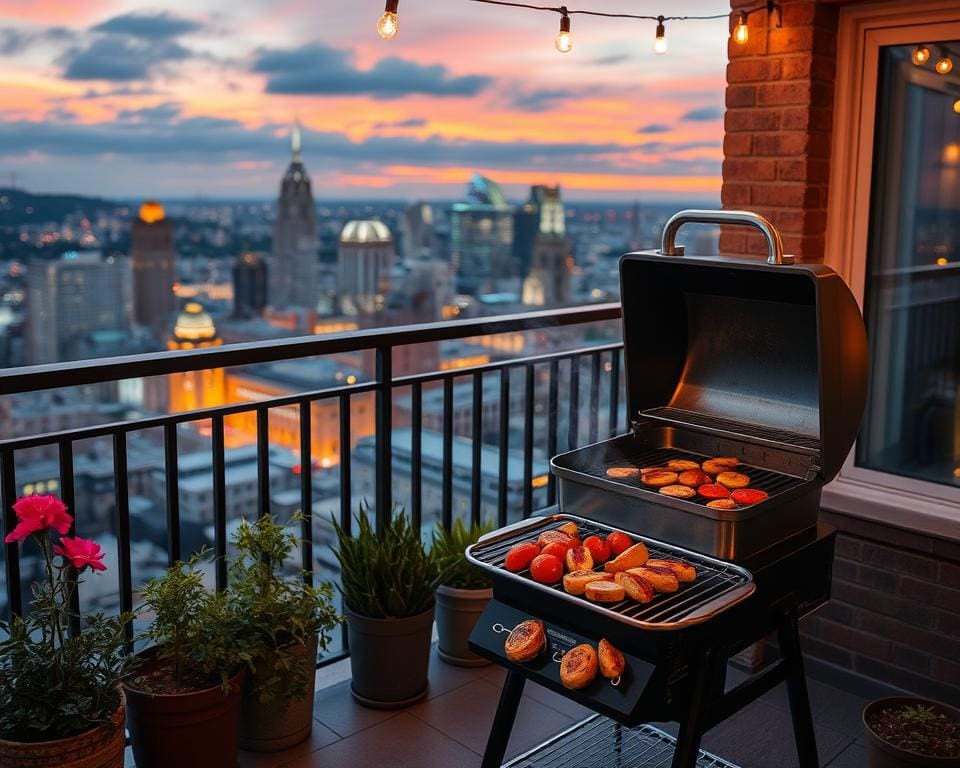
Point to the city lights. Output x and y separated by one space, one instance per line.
389 25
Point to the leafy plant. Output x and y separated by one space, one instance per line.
274 611
918 728
54 684
196 632
449 546
386 576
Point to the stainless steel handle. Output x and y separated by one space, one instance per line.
668 245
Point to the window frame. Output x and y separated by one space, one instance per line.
905 502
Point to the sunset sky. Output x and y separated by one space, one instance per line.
178 98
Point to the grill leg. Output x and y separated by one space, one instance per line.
803 732
691 728
503 720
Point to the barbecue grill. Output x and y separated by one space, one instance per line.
763 362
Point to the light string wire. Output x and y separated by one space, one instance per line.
564 11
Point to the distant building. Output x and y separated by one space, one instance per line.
71 298
153 258
191 390
293 272
481 239
548 279
249 285
418 238
365 259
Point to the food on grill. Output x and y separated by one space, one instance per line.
733 479
678 491
722 504
557 549
623 473
631 557
527 641
713 491
659 478
575 582
578 667
550 536
635 587
682 465
547 569
604 592
570 528
611 660
716 466
598 548
661 579
694 478
618 541
579 559
747 496
645 470
519 556
683 571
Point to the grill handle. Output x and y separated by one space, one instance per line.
668 246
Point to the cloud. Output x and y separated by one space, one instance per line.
14 41
654 128
609 61
120 59
316 68
413 122
147 26
703 114
162 113
542 100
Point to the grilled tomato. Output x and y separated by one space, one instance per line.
618 541
520 555
547 569
598 548
747 496
713 491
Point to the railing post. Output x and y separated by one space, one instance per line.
11 558
384 430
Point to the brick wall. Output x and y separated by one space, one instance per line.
778 126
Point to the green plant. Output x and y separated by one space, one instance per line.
386 576
918 728
275 611
54 684
196 632
449 546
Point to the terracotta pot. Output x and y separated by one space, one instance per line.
389 659
883 754
276 725
100 747
185 730
457 613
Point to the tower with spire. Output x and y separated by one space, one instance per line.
293 272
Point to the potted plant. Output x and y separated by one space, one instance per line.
462 595
388 585
908 731
183 704
282 621
60 697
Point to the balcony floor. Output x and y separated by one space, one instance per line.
449 729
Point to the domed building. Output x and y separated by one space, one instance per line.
153 258
365 259
191 390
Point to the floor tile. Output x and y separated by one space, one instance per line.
556 701
320 736
336 709
446 677
400 742
854 756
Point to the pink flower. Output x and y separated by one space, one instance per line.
37 513
81 552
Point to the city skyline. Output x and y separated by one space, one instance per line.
104 96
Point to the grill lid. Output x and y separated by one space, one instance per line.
770 351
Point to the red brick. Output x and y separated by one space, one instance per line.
790 40
798 14
950 577
781 94
753 169
847 546
741 96
857 641
929 593
732 242
818 171
785 194
949 624
753 70
946 670
828 652
735 195
752 120
737 145
797 67
910 611
899 561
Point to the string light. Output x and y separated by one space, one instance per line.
563 41
956 106
741 33
944 64
920 55
660 43
389 25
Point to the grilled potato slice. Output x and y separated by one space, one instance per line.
635 587
733 479
611 660
604 592
579 559
683 571
722 504
632 557
694 478
527 641
623 473
659 478
552 535
682 465
678 491
576 582
661 579
570 528
716 466
578 667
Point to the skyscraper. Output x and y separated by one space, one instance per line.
365 258
418 237
153 258
481 239
293 271
249 285
548 282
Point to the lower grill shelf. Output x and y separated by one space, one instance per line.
598 742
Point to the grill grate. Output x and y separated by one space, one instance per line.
598 742
715 578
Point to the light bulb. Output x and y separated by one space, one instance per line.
660 44
944 65
564 42
956 106
740 33
920 55
389 25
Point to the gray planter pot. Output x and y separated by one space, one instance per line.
389 659
277 725
457 614
885 755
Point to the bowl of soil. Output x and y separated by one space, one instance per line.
908 731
